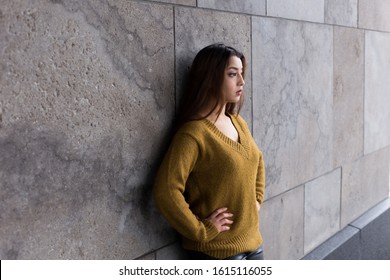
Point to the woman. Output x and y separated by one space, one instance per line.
210 184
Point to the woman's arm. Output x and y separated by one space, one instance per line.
169 188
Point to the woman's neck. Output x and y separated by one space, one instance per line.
216 114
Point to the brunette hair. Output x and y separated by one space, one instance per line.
205 81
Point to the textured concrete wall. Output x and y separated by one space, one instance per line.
88 90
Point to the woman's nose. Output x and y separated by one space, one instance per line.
241 81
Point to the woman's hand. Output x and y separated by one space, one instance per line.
220 219
257 206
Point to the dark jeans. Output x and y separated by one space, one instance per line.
252 255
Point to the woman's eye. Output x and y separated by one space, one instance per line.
232 75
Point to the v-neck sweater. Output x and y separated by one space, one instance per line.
204 170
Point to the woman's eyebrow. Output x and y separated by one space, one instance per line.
233 67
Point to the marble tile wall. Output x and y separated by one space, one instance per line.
86 99
305 10
377 94
348 95
255 7
365 183
374 15
282 225
88 91
292 100
322 209
341 12
179 2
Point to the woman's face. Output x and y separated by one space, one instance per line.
233 82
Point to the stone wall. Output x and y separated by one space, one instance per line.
88 91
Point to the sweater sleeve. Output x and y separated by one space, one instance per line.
260 180
169 188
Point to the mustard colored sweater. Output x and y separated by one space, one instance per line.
204 170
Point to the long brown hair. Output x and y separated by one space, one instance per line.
205 81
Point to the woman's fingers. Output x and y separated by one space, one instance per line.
224 224
218 212
220 219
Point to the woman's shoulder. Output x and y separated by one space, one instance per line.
192 128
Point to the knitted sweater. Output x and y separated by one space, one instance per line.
204 170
